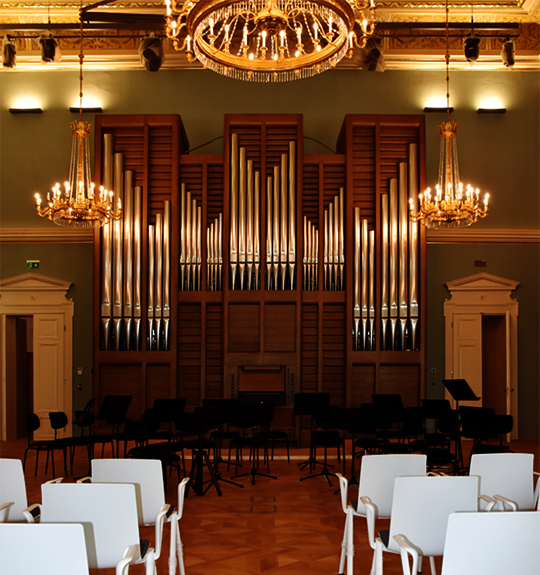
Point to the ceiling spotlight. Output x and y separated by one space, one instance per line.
471 46
371 56
49 48
9 52
151 53
508 53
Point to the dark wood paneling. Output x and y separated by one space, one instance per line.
214 351
244 329
123 380
189 352
310 348
402 379
333 340
279 327
363 384
157 383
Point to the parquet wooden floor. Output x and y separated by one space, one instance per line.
275 527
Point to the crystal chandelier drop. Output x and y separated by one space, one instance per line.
269 40
79 205
451 206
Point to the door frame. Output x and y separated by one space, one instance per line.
29 294
486 294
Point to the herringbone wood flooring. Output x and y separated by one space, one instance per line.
275 527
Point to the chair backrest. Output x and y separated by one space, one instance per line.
506 474
488 543
32 424
58 420
13 488
145 474
36 548
108 513
377 476
422 505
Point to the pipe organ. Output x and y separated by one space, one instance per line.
399 263
334 244
182 273
190 242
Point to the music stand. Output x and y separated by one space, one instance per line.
460 390
202 419
310 404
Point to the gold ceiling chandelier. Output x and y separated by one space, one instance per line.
269 40
79 205
451 206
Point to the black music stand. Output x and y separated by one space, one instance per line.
221 409
310 404
201 420
460 390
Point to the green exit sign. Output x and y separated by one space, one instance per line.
32 264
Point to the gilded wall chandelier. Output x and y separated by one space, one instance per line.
79 204
269 40
451 206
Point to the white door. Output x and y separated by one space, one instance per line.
49 376
467 352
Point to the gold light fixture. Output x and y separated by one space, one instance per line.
451 206
269 40
79 205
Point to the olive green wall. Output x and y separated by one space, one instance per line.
498 153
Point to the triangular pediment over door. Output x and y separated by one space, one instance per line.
43 299
481 340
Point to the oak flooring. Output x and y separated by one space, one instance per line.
275 527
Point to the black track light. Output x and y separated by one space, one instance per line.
471 46
151 53
9 52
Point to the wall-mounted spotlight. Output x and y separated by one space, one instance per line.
508 53
471 45
9 52
371 56
151 53
491 111
431 110
76 110
49 48
25 111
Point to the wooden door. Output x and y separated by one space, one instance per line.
467 352
49 376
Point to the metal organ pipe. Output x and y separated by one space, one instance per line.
384 268
393 258
107 244
233 256
166 272
117 251
413 243
137 264
357 263
403 251
128 256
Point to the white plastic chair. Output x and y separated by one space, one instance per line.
45 549
485 544
147 476
108 513
420 511
13 500
12 491
507 478
376 486
175 526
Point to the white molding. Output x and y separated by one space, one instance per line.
55 234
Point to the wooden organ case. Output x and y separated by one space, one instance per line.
290 267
